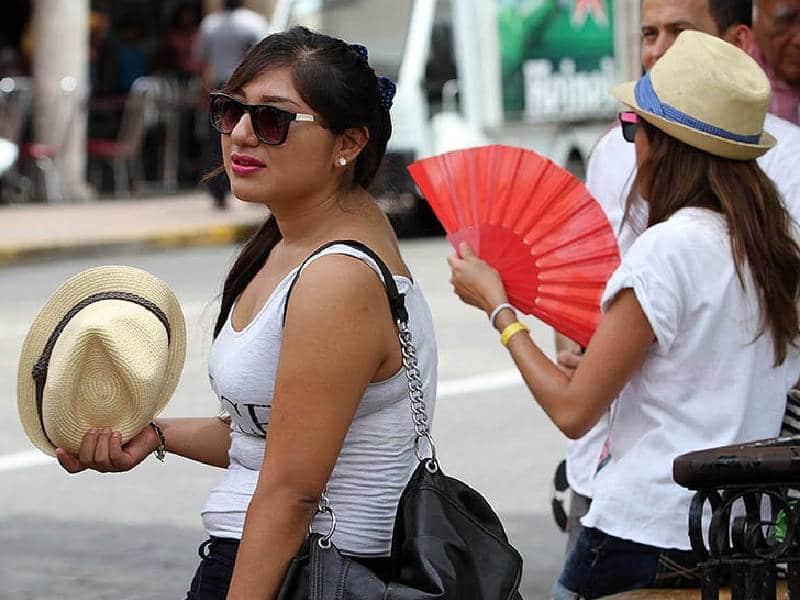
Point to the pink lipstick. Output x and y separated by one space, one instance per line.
242 164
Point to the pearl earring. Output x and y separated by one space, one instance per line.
342 161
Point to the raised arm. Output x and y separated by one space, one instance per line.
616 351
339 336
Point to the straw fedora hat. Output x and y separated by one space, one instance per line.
708 94
106 350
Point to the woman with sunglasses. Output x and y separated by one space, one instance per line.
304 123
698 341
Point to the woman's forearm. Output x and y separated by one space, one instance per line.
617 349
204 439
275 527
549 386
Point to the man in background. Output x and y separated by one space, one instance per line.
611 172
223 40
777 50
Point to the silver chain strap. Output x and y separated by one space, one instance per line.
415 395
418 415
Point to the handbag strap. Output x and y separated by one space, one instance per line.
409 354
397 305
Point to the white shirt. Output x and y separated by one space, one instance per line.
609 177
377 456
225 37
707 381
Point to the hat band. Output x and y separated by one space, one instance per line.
39 371
647 99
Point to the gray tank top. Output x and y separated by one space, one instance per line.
377 457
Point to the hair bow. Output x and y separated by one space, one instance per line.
387 90
360 50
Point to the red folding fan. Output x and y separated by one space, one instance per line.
532 221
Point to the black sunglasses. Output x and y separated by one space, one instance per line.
270 124
630 125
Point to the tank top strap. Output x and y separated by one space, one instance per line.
364 253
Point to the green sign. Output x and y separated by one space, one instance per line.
557 57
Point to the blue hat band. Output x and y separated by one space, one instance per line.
648 100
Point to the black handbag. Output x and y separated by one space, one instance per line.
447 542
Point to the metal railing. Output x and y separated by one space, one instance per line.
743 519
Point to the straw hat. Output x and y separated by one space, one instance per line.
106 350
708 94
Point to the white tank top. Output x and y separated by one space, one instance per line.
377 457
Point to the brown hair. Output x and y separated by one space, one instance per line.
674 175
338 83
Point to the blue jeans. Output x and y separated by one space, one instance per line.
213 577
602 565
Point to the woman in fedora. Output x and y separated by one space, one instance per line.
698 342
304 123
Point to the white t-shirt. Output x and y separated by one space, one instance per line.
224 39
377 456
609 177
707 380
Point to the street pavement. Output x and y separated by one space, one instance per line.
135 535
31 231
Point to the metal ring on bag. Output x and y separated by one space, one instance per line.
430 463
325 541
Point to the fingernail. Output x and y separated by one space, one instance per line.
117 434
93 431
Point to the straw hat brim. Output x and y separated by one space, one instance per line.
73 291
718 146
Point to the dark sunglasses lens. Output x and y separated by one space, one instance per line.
225 114
271 125
629 131
630 123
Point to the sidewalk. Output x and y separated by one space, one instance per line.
42 231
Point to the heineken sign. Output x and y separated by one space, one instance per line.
557 58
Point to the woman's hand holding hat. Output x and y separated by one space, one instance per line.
102 450
106 351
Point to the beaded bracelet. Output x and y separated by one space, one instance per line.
161 449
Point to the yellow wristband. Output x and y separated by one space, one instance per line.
512 330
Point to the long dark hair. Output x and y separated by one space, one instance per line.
675 175
335 81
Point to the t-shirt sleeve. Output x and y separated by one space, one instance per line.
652 268
259 28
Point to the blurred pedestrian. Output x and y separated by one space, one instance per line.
102 80
224 39
697 341
131 52
321 375
177 55
612 168
777 50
